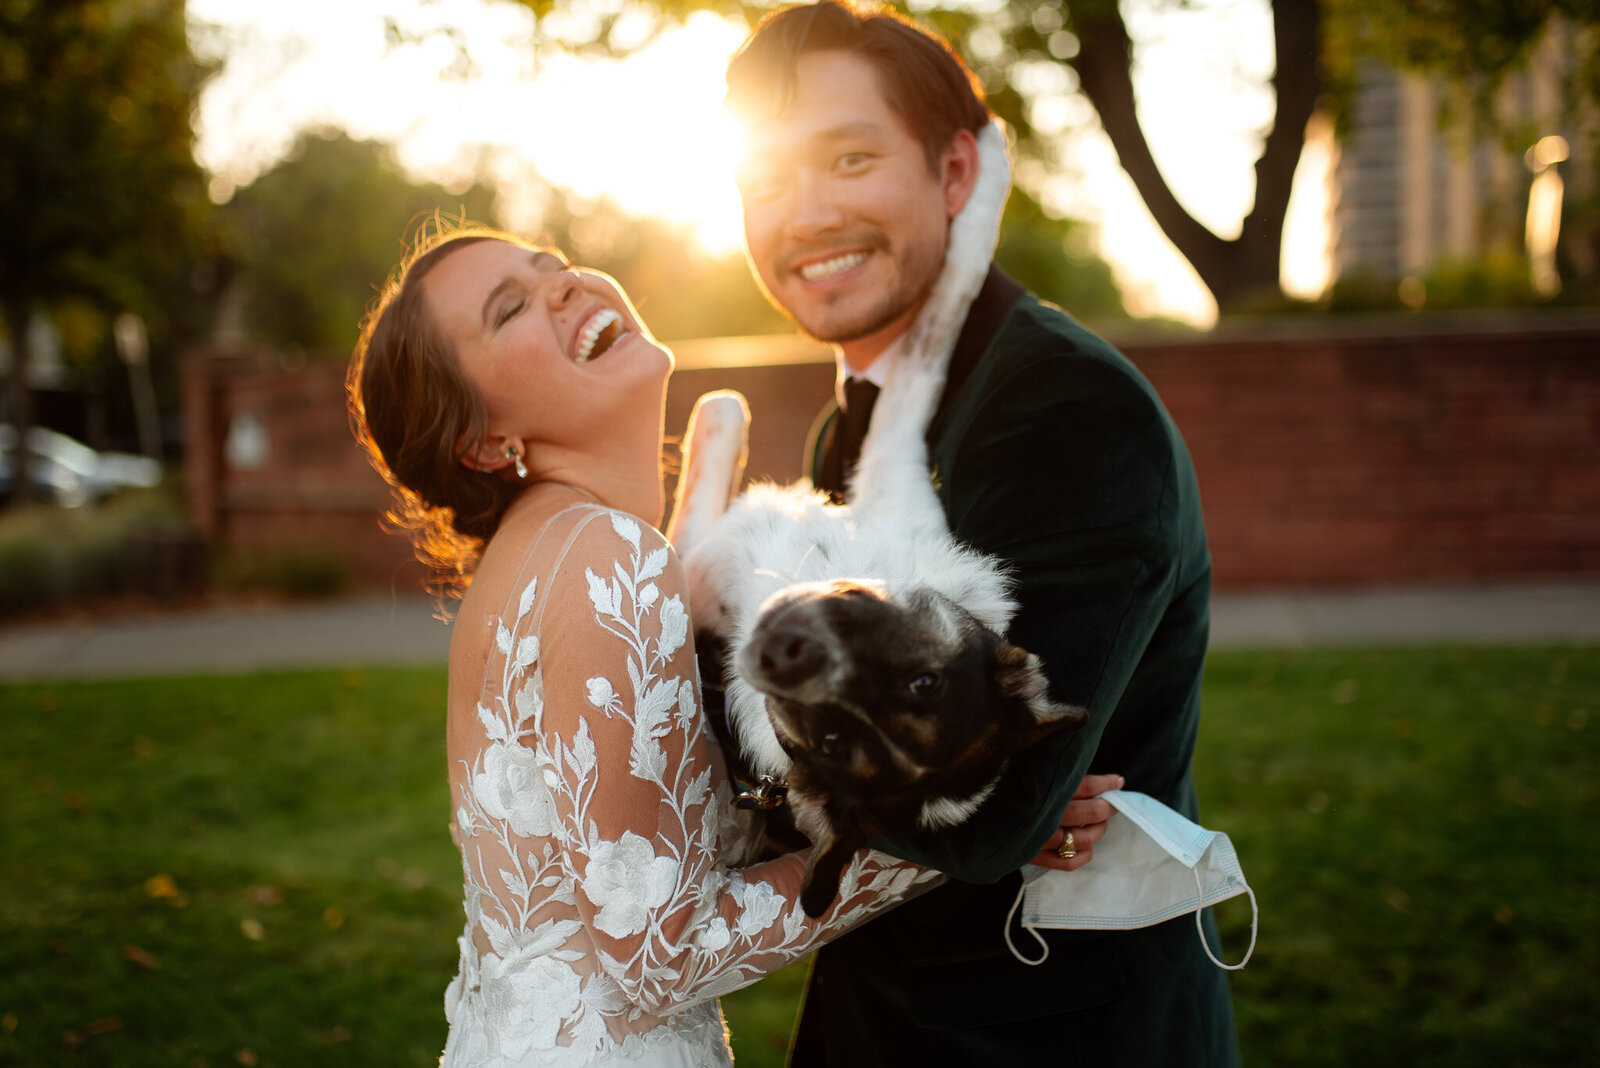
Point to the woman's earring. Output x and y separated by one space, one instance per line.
516 458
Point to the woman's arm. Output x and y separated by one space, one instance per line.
632 800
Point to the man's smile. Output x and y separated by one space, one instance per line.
820 270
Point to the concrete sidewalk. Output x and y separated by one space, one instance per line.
391 630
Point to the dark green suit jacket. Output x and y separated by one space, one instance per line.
1052 453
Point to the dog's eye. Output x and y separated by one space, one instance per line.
830 744
928 684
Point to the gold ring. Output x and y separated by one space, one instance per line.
1068 848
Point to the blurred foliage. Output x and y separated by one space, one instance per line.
311 241
135 545
300 571
1495 281
1472 45
1030 54
102 205
1053 258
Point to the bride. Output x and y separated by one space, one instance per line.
515 404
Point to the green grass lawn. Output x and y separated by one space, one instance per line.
257 870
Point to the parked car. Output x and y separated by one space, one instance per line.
70 473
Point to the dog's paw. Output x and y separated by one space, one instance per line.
715 448
829 855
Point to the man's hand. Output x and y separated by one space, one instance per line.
1085 820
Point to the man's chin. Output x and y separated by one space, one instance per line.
845 329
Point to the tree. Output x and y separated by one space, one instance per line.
1236 270
100 196
1476 41
1091 38
311 241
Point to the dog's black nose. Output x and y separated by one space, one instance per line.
791 656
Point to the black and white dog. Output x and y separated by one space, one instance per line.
866 663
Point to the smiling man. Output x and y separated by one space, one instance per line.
1053 454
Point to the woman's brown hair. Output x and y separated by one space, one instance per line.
416 413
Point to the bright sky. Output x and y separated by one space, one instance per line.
649 131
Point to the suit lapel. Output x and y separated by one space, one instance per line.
984 318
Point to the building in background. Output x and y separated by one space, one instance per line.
1422 183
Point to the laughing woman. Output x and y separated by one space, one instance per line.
515 404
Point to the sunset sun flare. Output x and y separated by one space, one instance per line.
477 90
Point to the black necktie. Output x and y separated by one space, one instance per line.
859 396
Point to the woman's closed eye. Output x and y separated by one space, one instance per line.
510 311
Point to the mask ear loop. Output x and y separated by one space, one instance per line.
1021 890
1199 912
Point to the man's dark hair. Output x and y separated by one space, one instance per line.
923 80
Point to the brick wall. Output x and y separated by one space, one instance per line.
1330 453
1403 450
271 463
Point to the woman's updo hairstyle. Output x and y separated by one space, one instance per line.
417 414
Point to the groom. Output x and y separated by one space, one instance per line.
1050 452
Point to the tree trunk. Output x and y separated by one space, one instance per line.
18 312
1240 270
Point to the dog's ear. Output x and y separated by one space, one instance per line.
830 852
1021 678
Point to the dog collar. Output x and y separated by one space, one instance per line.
770 792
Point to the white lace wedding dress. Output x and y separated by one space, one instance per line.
598 839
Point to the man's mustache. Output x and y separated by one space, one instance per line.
873 240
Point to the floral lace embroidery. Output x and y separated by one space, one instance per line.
603 911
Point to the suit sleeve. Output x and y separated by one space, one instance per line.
1067 474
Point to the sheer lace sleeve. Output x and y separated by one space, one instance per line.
592 810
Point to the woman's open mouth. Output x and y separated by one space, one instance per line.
599 334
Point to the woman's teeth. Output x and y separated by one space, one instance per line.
816 272
591 335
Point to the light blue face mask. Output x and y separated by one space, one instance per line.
1151 866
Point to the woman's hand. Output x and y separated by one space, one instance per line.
1085 820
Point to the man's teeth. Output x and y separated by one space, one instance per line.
815 272
591 334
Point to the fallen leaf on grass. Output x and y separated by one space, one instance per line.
265 895
104 1026
252 929
246 1057
334 1035
142 957
333 916
165 888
